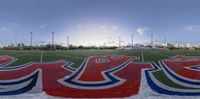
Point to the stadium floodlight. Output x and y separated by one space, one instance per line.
31 39
165 41
67 41
151 40
53 45
16 41
119 42
132 40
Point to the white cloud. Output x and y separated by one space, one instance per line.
43 26
103 27
4 29
142 30
109 29
80 26
192 28
12 25
7 27
114 28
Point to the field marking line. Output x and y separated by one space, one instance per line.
142 54
41 57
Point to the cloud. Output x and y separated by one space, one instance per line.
192 29
7 27
12 25
109 29
4 29
80 26
142 30
114 28
43 26
103 27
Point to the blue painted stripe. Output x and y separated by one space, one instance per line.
178 78
27 88
161 90
113 80
15 67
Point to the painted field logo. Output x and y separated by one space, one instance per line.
111 76
98 76
182 74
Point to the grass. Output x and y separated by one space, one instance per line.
77 57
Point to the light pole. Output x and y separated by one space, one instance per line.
31 39
151 40
132 40
16 41
53 45
68 42
119 42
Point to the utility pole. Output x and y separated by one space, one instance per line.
31 39
151 40
132 40
53 46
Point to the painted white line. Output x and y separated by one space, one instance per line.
142 56
41 57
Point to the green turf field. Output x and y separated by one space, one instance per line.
77 56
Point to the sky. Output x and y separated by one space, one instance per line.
100 22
